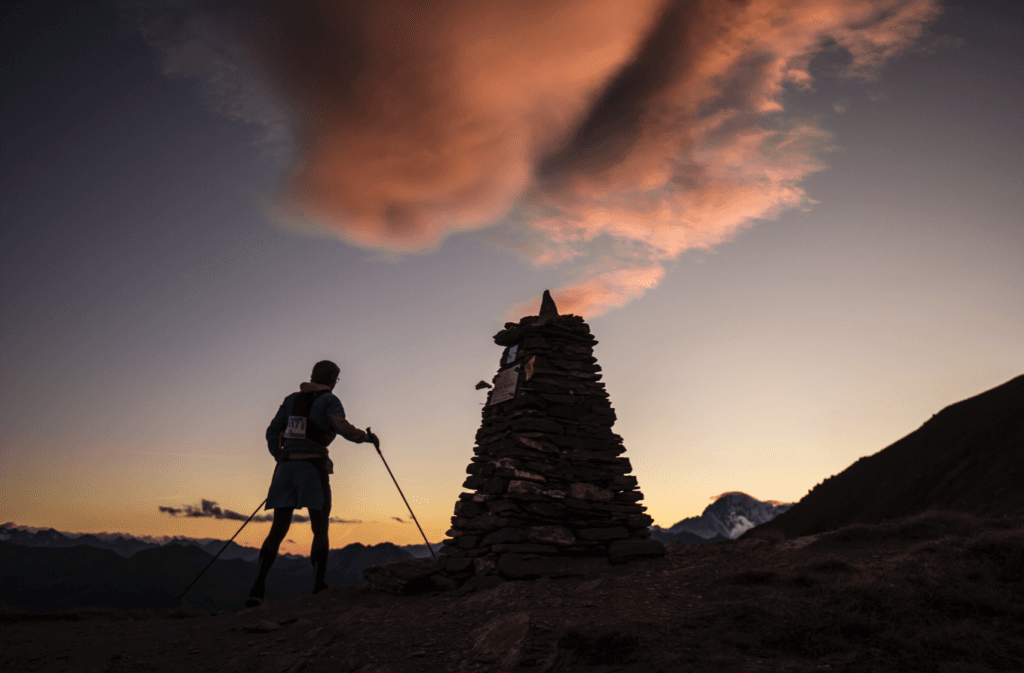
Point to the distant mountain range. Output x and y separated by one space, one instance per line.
33 537
127 546
45 570
728 517
45 578
969 457
421 550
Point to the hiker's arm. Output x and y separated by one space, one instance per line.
336 413
349 431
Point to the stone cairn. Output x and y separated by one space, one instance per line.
553 495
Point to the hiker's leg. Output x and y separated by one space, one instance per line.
268 552
320 520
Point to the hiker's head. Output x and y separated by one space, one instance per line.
326 373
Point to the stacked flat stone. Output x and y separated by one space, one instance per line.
552 493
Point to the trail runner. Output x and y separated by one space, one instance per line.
298 437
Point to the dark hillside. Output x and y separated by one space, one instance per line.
939 593
968 458
46 579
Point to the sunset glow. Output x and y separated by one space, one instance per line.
793 227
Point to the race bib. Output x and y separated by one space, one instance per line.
296 428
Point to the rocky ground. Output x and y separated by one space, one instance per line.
937 592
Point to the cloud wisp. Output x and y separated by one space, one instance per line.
209 509
608 136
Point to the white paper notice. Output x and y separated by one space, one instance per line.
504 386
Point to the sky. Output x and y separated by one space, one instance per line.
794 228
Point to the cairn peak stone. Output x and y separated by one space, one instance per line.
547 306
551 490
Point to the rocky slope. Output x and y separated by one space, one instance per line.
969 457
938 592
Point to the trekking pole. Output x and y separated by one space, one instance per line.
429 548
222 549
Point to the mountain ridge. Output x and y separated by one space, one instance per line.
126 545
969 457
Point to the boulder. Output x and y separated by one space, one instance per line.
525 548
444 583
504 536
600 534
556 535
521 486
502 640
454 565
583 491
403 576
485 565
480 583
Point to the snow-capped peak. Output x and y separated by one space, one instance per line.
729 516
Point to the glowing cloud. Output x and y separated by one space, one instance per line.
636 128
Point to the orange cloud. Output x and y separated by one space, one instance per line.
417 120
626 131
598 292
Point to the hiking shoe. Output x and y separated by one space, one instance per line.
320 587
253 602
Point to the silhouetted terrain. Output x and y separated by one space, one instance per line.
937 592
969 457
45 579
121 545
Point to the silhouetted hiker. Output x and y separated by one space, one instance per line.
307 422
